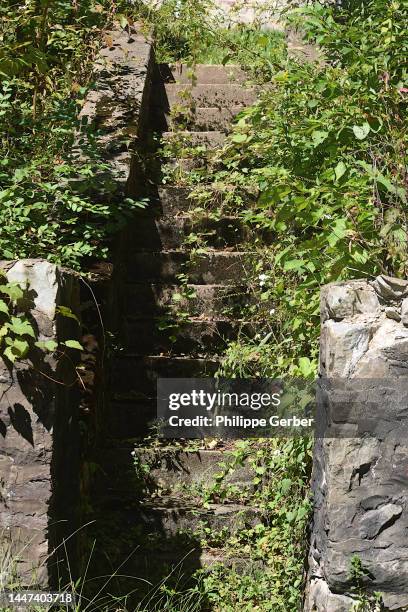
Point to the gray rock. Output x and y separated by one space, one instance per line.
404 312
392 313
375 521
389 288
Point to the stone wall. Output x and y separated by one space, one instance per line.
360 475
50 425
39 437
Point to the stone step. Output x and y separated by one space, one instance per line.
170 516
202 74
127 420
201 119
169 468
187 559
209 140
168 201
204 300
170 233
194 337
135 377
215 118
212 268
210 95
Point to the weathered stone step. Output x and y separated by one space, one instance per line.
171 233
169 201
187 559
194 337
210 95
134 376
179 167
209 140
215 118
202 73
204 300
170 516
213 267
169 468
201 119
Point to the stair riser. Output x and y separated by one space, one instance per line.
213 268
133 376
166 234
207 300
209 140
209 96
127 420
203 74
191 338
170 469
204 119
172 522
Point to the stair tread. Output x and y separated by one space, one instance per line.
203 73
170 503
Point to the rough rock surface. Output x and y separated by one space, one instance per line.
360 477
112 116
38 433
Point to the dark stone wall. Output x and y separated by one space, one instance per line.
39 437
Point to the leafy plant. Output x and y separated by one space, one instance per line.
46 209
18 332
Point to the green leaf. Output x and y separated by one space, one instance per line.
74 344
21 327
3 307
305 366
17 349
294 264
47 345
13 290
123 20
339 170
361 131
239 138
318 137
67 312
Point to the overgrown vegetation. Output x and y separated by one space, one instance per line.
45 70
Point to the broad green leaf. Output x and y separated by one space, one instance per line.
294 264
21 327
74 344
239 138
361 131
67 312
339 170
47 345
3 307
123 20
305 366
17 349
318 137
13 290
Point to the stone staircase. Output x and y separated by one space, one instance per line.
150 503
